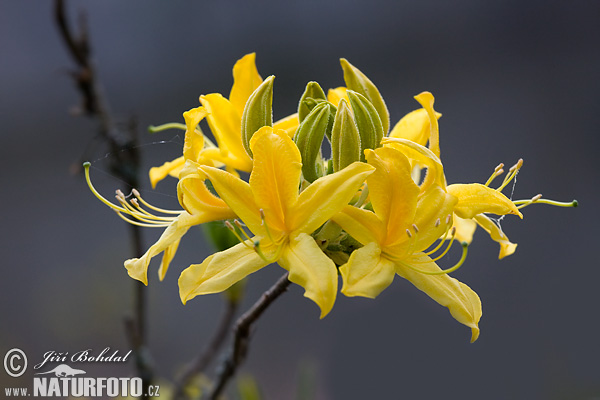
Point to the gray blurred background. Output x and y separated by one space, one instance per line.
512 79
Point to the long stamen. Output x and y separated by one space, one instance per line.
229 226
497 172
456 266
147 225
442 237
140 214
147 219
144 202
241 228
448 247
539 200
86 166
264 223
512 172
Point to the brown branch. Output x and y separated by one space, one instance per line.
198 365
124 164
239 347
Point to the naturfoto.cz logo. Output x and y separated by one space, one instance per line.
65 381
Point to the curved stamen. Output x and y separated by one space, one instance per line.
540 200
146 225
456 266
448 247
229 226
442 241
264 223
147 219
144 202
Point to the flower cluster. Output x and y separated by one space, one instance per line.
367 213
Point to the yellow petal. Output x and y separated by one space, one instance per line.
475 198
506 247
219 271
194 140
289 124
422 156
245 81
414 126
168 255
463 303
432 205
275 175
226 125
366 273
327 196
426 100
172 168
311 269
214 157
392 190
334 96
137 268
238 196
465 228
362 225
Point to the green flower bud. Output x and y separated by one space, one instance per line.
345 139
309 138
258 111
367 121
357 81
314 92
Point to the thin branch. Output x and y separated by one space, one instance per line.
198 365
239 347
124 163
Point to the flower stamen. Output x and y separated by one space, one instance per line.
497 172
146 219
512 173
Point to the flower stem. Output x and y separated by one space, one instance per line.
241 336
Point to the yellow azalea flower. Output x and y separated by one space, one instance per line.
224 117
474 200
407 220
199 204
281 219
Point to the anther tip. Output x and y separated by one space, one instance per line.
575 203
87 164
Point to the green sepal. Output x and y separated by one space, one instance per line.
357 81
309 138
258 111
313 91
367 121
345 139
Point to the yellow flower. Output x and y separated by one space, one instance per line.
407 220
224 117
474 200
281 219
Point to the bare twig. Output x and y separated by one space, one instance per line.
124 162
199 364
239 346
